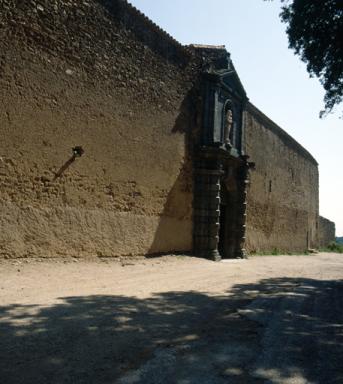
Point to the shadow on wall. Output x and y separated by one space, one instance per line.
175 230
278 328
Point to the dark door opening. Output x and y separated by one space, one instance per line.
227 245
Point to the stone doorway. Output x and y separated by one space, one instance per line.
230 218
220 207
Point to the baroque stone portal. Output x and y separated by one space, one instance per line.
221 168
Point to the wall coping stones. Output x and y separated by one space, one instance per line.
327 221
150 23
284 136
140 17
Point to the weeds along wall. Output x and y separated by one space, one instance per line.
282 201
98 75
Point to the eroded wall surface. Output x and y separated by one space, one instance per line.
92 74
282 206
327 232
98 74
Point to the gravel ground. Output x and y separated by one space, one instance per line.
172 319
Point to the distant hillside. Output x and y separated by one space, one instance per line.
339 240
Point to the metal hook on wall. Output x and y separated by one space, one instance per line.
77 151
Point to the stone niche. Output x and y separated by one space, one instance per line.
222 114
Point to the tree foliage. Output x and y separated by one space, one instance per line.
315 33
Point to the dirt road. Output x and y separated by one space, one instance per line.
177 320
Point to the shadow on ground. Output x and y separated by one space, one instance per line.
266 332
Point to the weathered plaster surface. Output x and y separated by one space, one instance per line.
282 209
71 74
100 75
327 232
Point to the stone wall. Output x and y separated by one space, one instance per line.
327 232
282 209
96 74
100 75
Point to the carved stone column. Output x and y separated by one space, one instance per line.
243 181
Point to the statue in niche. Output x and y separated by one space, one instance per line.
227 127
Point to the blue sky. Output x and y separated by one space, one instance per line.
275 79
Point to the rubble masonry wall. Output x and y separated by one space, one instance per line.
83 73
282 209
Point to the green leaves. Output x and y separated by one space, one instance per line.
315 30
